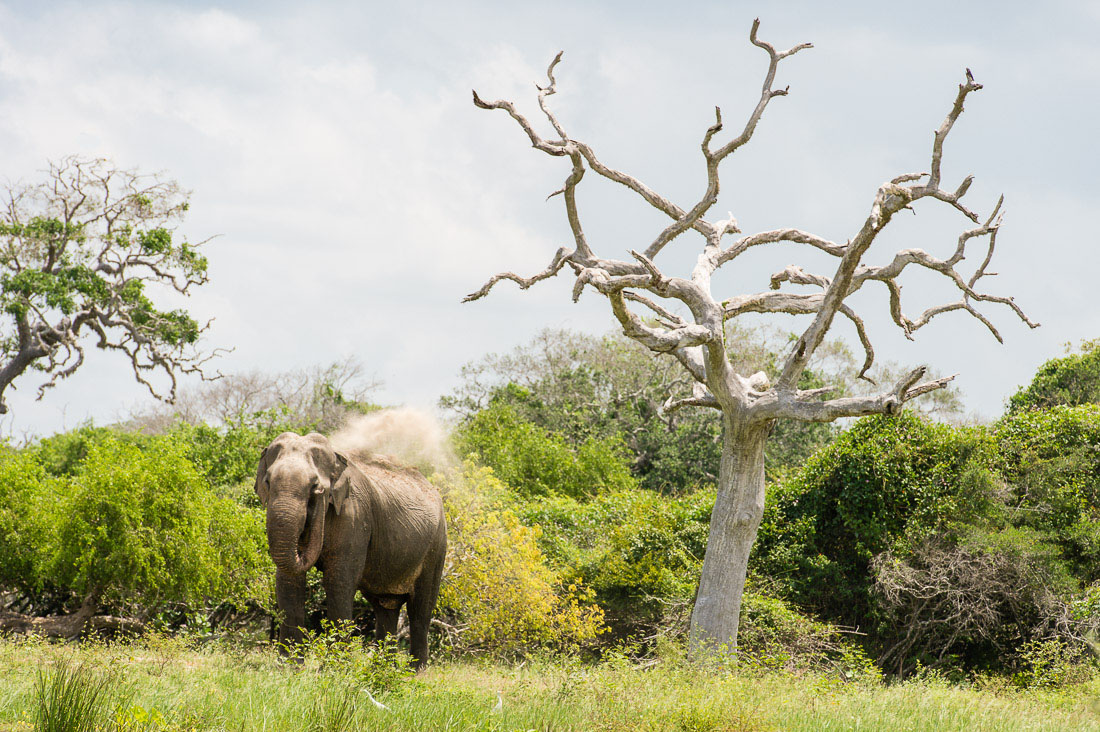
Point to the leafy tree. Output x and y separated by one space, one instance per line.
1070 380
80 255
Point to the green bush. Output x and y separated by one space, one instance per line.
638 551
62 454
536 463
139 524
379 667
28 515
884 481
1051 460
1069 381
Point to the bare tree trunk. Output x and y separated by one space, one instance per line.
733 525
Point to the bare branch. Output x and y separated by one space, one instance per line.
550 148
769 237
804 405
706 400
545 91
891 198
672 318
660 340
941 134
552 269
693 218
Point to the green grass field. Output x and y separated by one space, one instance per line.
164 684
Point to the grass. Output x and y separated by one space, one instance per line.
71 698
163 684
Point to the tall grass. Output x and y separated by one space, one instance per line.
188 688
72 697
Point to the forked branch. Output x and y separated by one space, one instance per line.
698 342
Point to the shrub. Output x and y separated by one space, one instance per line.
139 524
1071 380
498 588
336 649
28 516
974 601
535 463
1051 460
638 551
886 480
1050 663
774 635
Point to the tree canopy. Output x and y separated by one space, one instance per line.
1070 380
82 255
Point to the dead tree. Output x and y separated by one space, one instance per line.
750 404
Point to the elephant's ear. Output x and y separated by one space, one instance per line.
341 483
261 478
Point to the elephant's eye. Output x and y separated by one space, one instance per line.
316 488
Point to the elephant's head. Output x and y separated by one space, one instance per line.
297 480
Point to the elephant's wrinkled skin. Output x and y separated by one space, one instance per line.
370 526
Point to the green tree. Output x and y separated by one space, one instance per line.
1070 380
80 255
534 462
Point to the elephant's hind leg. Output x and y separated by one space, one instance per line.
385 620
421 606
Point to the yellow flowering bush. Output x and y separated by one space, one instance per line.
498 590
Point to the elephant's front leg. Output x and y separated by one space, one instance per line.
290 593
340 582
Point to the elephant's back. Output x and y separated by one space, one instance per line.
405 505
403 480
409 532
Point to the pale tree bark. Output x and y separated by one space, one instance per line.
683 318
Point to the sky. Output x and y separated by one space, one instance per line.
355 194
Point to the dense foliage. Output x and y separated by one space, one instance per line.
578 516
1070 380
884 480
128 520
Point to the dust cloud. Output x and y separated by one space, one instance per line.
413 436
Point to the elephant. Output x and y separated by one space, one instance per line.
367 524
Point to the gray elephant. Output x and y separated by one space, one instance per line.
367 525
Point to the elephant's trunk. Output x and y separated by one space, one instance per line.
295 548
